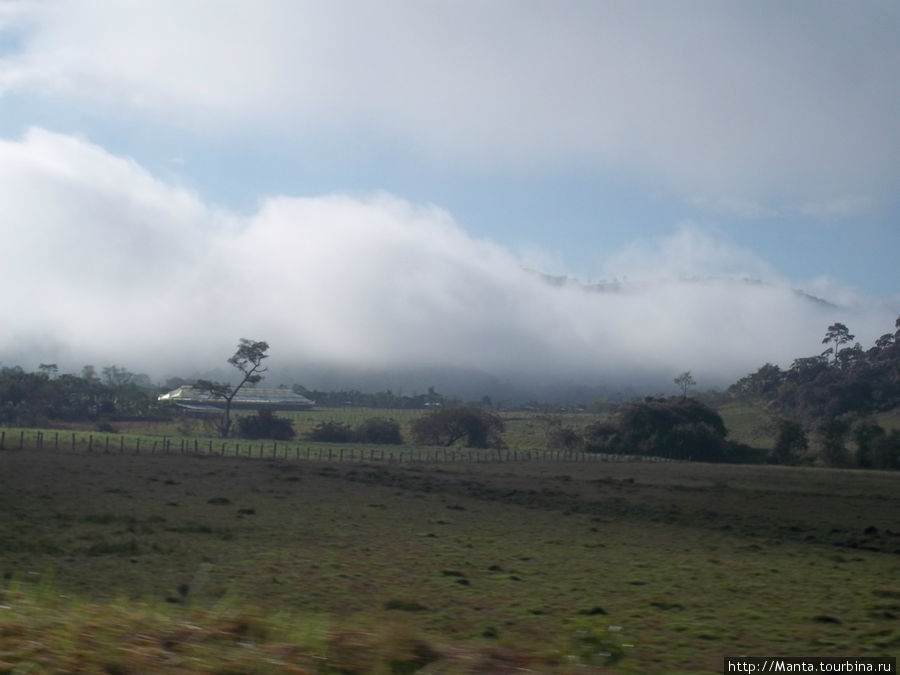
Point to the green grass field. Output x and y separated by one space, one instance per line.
749 423
174 563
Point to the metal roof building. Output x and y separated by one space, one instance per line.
248 398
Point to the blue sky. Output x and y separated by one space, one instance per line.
644 141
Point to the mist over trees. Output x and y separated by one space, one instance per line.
823 406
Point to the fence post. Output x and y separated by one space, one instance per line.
21 439
121 444
2 439
137 446
91 443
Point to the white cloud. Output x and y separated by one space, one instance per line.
837 208
112 265
740 208
745 103
689 253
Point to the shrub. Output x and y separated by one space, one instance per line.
378 430
331 432
678 427
790 443
867 435
564 439
265 425
602 437
886 451
832 443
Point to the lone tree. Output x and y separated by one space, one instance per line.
839 334
685 381
479 428
248 359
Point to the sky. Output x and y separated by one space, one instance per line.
375 188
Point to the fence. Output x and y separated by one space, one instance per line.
118 443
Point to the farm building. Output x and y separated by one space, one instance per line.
248 398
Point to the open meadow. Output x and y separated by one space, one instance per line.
125 562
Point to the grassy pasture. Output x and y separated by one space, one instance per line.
524 430
749 423
175 563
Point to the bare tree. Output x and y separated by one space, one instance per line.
248 360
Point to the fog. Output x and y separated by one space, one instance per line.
104 263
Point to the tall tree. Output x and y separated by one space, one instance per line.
248 360
117 377
48 370
685 381
839 334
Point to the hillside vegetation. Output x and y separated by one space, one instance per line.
840 397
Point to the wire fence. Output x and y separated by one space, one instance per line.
64 441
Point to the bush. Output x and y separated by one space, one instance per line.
564 439
886 451
832 443
378 430
479 428
790 443
265 425
602 437
681 428
867 435
331 432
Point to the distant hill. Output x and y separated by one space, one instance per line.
616 285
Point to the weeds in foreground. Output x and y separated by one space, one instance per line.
43 631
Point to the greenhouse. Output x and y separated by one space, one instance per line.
248 398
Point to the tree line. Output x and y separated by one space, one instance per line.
45 396
825 402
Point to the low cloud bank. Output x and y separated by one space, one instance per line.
106 264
